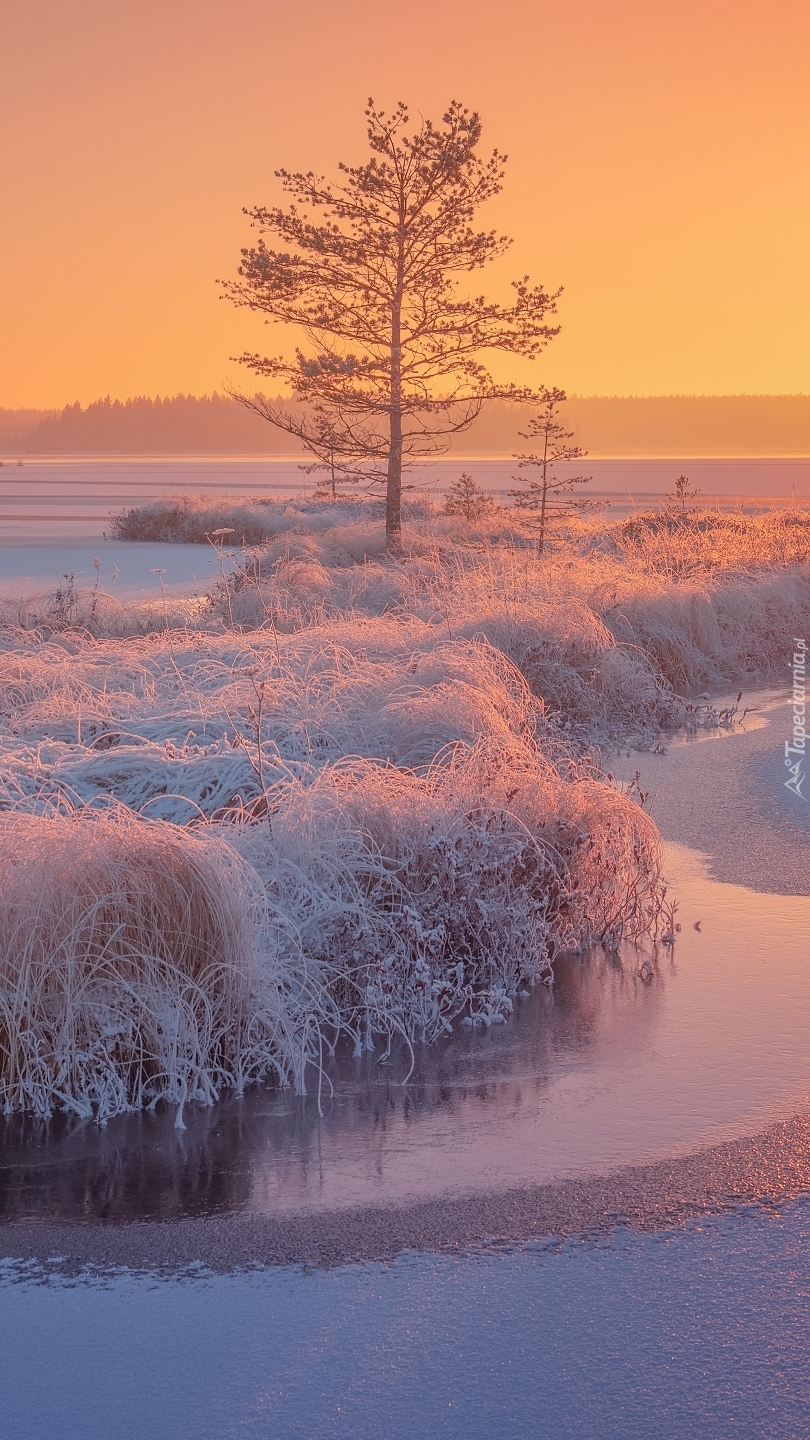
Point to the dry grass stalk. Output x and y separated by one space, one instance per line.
131 968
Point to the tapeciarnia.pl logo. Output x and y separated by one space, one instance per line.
795 748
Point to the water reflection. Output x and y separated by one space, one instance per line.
243 1151
606 1069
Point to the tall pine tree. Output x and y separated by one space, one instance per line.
371 271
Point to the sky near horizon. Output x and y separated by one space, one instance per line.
658 171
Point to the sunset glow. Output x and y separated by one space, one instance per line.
657 171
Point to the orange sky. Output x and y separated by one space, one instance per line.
658 170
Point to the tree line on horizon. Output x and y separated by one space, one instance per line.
178 424
676 425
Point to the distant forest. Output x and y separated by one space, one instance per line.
667 425
182 425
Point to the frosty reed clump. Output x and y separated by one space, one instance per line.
418 896
345 793
132 968
191 520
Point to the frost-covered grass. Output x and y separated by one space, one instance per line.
426 844
351 527
675 543
132 969
346 793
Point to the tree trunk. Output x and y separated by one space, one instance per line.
393 493
542 540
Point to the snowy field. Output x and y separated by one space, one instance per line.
127 570
694 1334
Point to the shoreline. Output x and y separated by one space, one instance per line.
768 1169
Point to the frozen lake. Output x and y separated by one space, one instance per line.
127 569
54 499
695 1334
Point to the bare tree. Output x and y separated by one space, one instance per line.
369 271
546 497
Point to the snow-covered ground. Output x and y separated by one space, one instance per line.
695 1334
129 570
